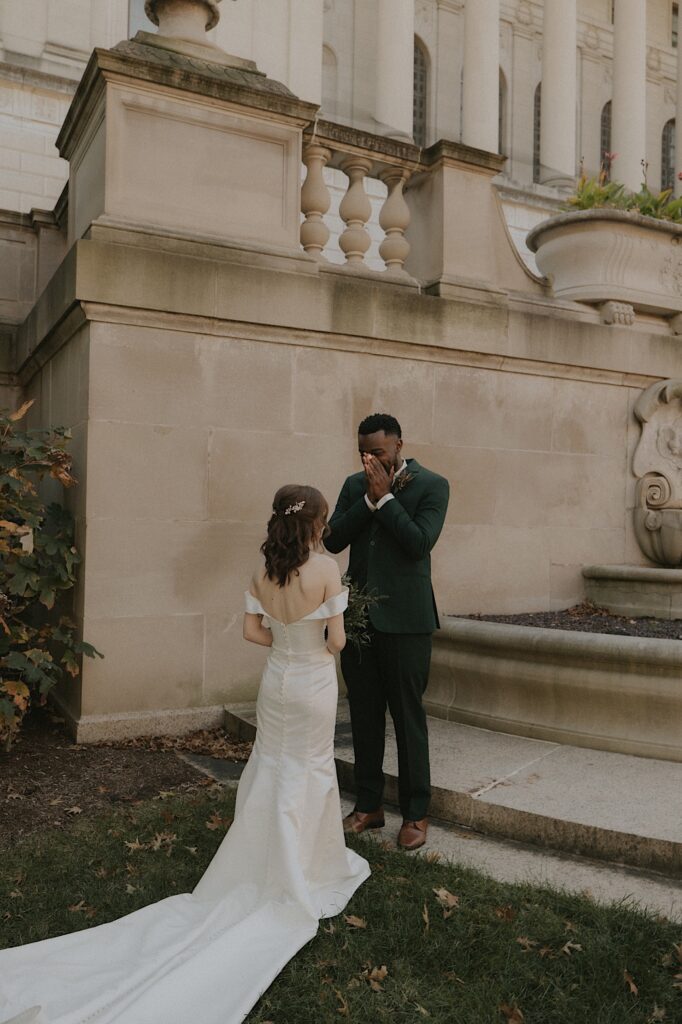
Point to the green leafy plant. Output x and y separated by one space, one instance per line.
599 192
38 644
356 619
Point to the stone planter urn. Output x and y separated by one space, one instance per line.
618 260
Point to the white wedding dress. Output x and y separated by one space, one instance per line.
206 957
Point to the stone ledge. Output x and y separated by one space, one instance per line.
610 693
507 786
636 590
126 725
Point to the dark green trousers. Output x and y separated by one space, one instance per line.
392 672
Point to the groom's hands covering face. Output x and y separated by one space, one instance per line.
379 482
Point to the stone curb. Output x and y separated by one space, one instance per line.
461 808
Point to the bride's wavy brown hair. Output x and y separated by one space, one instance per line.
290 537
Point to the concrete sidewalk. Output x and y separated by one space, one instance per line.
614 807
510 861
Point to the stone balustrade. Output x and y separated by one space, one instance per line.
359 155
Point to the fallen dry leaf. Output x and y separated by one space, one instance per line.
163 839
446 899
425 917
571 947
526 943
505 913
630 982
82 908
354 922
422 1010
342 1008
375 977
451 976
511 1013
432 857
136 845
215 822
658 1013
74 810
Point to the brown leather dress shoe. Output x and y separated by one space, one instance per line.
412 834
358 821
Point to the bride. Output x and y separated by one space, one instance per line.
208 956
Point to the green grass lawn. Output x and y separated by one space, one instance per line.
476 952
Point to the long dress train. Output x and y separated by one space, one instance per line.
206 957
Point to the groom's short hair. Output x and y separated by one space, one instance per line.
380 421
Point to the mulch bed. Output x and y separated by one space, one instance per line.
588 618
47 781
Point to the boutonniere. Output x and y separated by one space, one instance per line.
401 482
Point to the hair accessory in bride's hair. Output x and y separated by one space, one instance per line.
294 508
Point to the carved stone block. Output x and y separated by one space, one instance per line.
657 464
617 313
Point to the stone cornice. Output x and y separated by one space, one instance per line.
354 140
160 67
34 76
454 153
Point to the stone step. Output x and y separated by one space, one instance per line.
615 807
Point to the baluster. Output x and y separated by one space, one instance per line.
315 201
394 219
355 210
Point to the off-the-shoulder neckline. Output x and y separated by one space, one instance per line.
314 614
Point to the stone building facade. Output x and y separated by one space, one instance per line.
325 51
169 307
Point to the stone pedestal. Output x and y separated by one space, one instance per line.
459 240
635 591
162 141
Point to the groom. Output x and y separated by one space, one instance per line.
391 514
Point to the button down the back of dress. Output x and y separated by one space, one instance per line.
371 543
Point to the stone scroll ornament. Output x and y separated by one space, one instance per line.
657 464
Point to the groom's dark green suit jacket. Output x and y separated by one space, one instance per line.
390 549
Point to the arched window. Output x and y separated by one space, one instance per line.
329 81
668 154
605 140
537 102
502 115
420 95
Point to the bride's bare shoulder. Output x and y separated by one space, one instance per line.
258 578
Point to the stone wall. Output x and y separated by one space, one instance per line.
195 385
